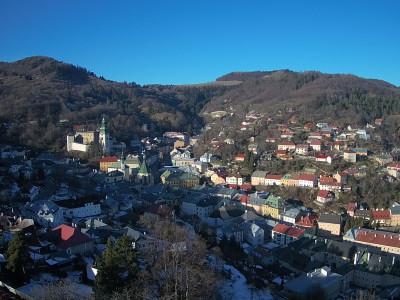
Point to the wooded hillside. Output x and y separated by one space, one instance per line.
41 99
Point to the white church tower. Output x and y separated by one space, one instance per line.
70 141
104 138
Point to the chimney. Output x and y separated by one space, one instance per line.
369 256
380 258
393 260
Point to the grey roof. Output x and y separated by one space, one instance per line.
352 233
256 201
41 207
194 198
134 234
250 226
156 189
230 211
327 218
305 282
221 191
259 174
376 263
291 213
211 201
297 259
395 210
266 224
250 215
365 213
343 249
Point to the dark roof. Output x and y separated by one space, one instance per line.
342 249
160 210
70 237
333 219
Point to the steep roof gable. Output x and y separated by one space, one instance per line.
292 231
70 237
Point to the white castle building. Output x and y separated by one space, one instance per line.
81 139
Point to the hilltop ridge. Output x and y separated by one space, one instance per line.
41 91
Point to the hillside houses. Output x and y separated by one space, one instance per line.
284 234
223 198
385 241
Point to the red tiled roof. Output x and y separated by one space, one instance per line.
307 177
340 143
321 156
292 231
109 159
280 151
71 237
326 179
315 133
316 143
294 177
245 187
306 222
222 174
351 206
302 146
323 194
274 177
244 198
381 214
283 127
240 156
394 165
378 238
287 144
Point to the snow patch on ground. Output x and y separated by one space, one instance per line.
237 289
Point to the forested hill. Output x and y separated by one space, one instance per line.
36 93
41 99
313 95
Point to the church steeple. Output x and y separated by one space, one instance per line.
144 176
143 168
103 126
104 138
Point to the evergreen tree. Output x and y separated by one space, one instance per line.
177 208
17 255
117 267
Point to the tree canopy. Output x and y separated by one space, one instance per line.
117 267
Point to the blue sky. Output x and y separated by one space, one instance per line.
176 42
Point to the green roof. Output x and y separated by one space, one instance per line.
143 167
103 126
